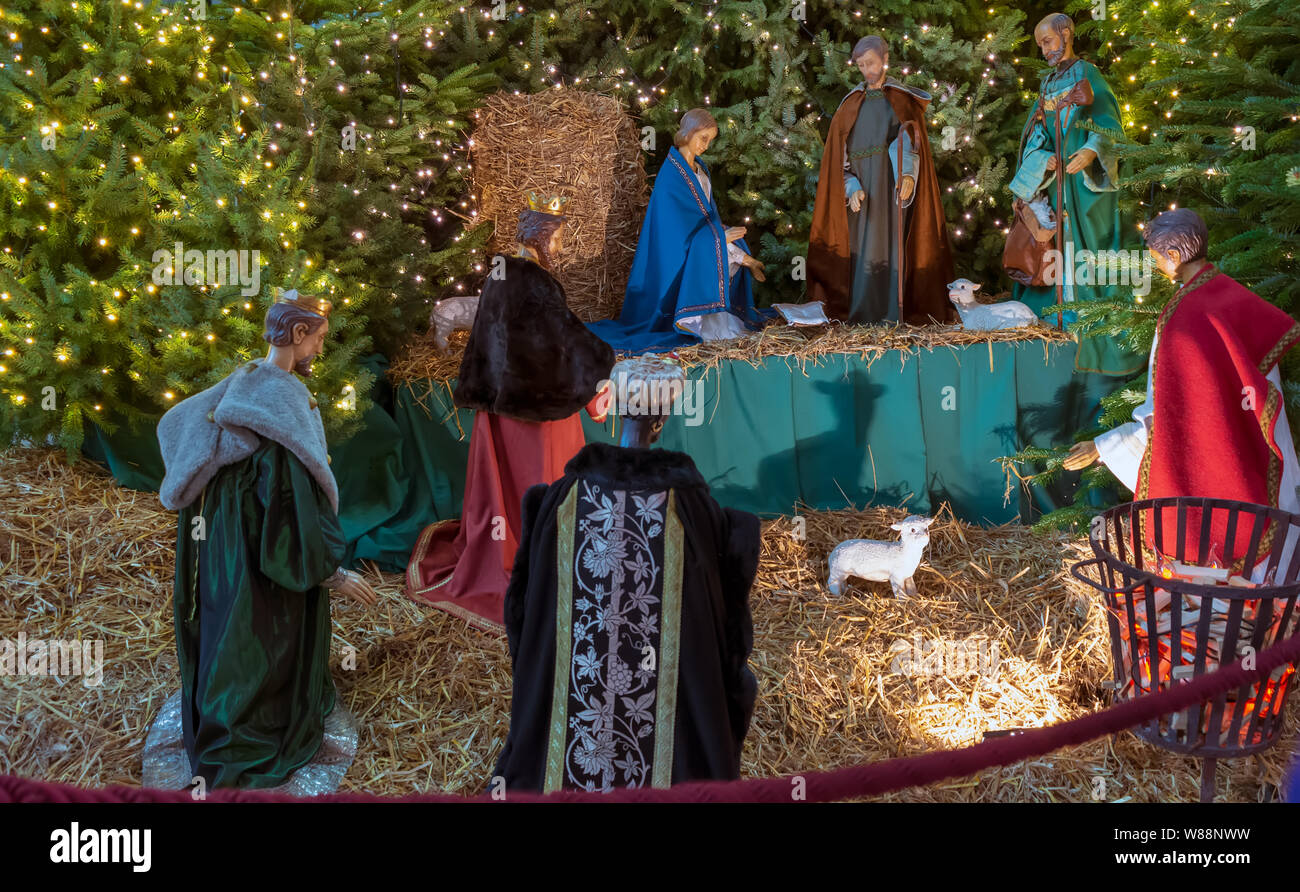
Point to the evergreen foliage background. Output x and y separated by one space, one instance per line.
221 126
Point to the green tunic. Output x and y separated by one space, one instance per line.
252 621
1091 199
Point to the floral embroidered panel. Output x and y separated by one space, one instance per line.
615 693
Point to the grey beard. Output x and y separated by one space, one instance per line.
1056 57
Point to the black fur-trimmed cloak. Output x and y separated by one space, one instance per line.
528 356
628 622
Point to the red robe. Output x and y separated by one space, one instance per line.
529 367
1213 431
927 255
463 566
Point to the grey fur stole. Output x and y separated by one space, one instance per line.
225 423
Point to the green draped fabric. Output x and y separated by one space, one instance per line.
252 622
913 429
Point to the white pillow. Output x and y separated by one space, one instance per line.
803 314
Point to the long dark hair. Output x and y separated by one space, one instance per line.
867 44
535 230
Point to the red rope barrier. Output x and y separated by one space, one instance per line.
822 786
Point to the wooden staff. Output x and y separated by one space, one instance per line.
1062 222
1079 95
909 127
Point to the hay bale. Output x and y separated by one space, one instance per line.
575 143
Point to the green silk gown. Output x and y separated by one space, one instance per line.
252 620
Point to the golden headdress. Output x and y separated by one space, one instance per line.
547 204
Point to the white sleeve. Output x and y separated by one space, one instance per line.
1121 450
734 256
1288 499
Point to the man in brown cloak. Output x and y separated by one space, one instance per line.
852 252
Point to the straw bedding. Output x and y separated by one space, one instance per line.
80 556
423 361
581 145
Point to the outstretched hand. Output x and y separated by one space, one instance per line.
735 233
1081 456
353 586
755 268
1080 159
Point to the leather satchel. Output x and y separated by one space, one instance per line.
1025 256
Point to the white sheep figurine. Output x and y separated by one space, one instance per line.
976 316
452 313
878 561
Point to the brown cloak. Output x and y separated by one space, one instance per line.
927 254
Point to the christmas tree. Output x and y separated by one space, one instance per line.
166 166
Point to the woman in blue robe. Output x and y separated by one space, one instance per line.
690 280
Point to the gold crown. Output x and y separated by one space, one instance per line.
312 304
547 204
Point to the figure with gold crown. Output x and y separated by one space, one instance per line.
530 366
258 542
692 276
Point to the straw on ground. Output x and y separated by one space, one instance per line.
80 556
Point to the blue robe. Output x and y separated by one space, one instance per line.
680 268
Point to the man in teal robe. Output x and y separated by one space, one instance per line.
1091 197
1090 185
257 537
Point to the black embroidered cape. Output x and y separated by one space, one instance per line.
528 356
629 627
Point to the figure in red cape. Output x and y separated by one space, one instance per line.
852 250
529 367
1213 424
